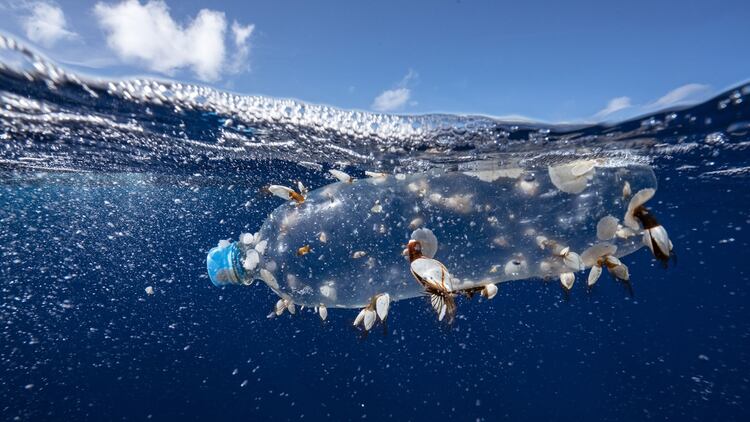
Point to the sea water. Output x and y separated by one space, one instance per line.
113 191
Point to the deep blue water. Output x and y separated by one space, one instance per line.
92 213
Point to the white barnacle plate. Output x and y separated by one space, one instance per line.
572 177
567 280
606 228
457 217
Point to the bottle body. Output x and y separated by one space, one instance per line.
343 245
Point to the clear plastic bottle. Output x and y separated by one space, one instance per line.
343 245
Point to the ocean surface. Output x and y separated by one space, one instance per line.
110 187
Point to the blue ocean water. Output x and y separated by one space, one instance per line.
108 187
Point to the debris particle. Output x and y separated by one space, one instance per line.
303 250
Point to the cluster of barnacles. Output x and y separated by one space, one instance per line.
601 255
282 305
655 236
570 259
377 309
434 277
254 247
286 304
437 282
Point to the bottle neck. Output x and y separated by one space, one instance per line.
235 257
224 264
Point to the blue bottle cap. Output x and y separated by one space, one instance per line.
224 266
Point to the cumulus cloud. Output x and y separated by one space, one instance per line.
685 93
148 35
613 106
396 98
689 93
391 99
241 35
46 24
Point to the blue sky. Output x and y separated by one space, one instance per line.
554 61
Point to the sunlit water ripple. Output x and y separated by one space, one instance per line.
58 120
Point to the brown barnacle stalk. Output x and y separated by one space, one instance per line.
296 197
413 250
470 292
488 291
655 236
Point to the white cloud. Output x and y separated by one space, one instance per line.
391 99
241 33
241 37
147 34
685 93
394 99
411 76
46 24
614 105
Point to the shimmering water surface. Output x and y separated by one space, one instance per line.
110 187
